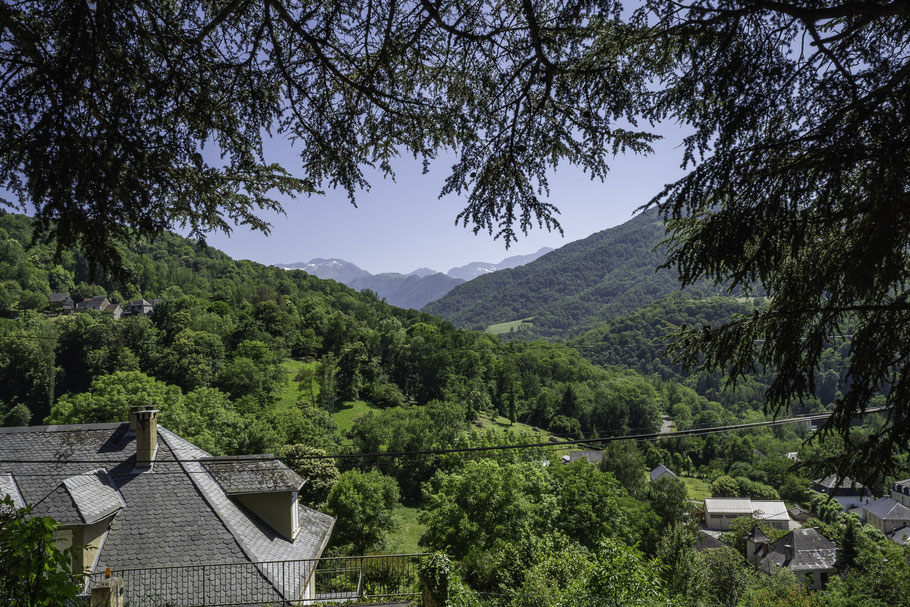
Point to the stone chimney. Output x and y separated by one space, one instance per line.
146 437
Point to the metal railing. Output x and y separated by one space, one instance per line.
275 583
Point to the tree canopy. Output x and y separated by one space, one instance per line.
798 145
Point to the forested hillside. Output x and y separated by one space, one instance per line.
574 287
222 328
638 341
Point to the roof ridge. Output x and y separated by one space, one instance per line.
61 427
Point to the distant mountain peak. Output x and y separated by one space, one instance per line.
479 268
330 268
421 272
413 290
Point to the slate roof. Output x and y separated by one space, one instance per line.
888 509
96 302
757 536
901 536
58 297
594 455
177 515
659 471
238 475
708 542
830 483
9 488
801 550
94 495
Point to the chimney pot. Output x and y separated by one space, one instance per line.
133 410
146 437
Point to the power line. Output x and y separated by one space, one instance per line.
482 449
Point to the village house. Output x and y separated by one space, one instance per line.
138 497
900 492
721 511
138 307
806 552
61 303
848 493
100 303
887 515
659 471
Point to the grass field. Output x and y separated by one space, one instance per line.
485 420
404 539
347 412
505 327
697 488
290 392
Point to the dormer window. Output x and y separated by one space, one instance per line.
264 486
84 504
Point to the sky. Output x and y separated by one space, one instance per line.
403 225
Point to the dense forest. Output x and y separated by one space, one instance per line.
639 341
228 340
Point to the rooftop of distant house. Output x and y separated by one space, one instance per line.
888 509
831 482
761 509
799 550
659 471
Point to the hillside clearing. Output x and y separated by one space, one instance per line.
505 327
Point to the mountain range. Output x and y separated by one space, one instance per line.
412 290
575 287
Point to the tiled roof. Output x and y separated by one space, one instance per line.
176 515
708 542
659 471
901 536
252 474
888 509
757 536
94 495
801 550
257 540
8 488
830 482
594 455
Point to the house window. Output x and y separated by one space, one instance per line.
824 578
810 579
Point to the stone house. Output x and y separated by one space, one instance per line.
61 303
900 492
137 496
806 552
887 515
100 303
139 307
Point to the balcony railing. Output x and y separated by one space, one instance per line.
275 583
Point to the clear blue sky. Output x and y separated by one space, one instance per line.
402 225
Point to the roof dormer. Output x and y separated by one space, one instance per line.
263 485
85 504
